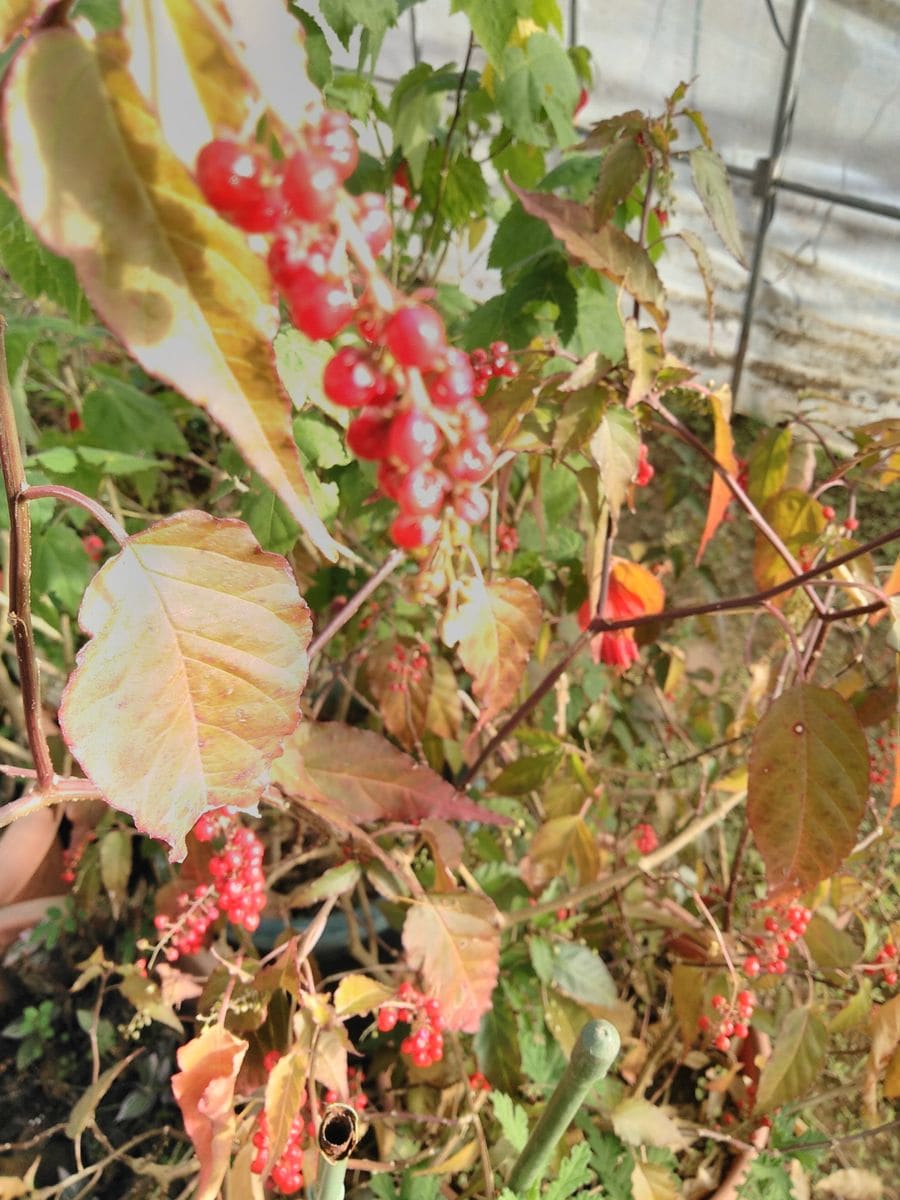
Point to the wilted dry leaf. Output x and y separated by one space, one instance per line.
204 1091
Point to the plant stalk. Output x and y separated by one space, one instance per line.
15 484
338 1134
594 1053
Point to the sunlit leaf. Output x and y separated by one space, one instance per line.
796 1059
653 1181
808 786
607 250
851 1183
577 971
720 494
640 1123
797 519
614 448
285 1097
175 282
358 994
359 773
495 627
454 940
204 1090
885 1041
192 677
492 24
768 465
645 355
714 190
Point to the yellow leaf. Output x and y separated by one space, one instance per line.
641 1123
851 1183
454 939
14 14
178 285
460 1161
559 842
653 1181
885 1039
720 494
358 994
641 583
285 1097
204 1091
192 677
495 626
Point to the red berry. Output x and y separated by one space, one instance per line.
782 949
73 420
422 490
320 307
390 477
471 459
387 1019
583 97
771 924
472 418
411 532
367 434
746 999
719 1002
310 184
740 1030
231 178
93 546
752 966
415 336
414 437
336 139
722 1043
703 1022
374 221
827 512
350 379
455 383
851 524
471 504
890 978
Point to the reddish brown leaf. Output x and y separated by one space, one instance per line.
720 494
607 249
454 939
364 777
807 788
495 626
192 678
180 287
204 1091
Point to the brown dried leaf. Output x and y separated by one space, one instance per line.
204 1091
192 677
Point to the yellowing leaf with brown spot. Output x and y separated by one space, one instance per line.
191 680
495 627
179 286
204 1091
720 494
454 940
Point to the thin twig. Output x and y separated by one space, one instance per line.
56 491
340 619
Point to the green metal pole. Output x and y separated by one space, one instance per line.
337 1139
593 1055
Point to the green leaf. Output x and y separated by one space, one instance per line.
497 1045
465 195
829 946
320 441
526 774
576 971
797 519
610 1158
512 1119
714 190
374 16
767 1179
114 462
272 525
537 80
60 567
492 24
573 1173
614 448
796 1060
607 250
623 165
35 269
123 417
519 238
768 465
318 55
599 324
515 316
808 786
415 114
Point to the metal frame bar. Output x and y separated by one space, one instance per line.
769 175
844 199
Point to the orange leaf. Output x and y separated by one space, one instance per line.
720 495
360 774
192 679
454 940
496 626
641 583
178 285
204 1091
895 790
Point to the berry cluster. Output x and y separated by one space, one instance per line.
881 761
287 1173
507 539
886 958
850 524
494 363
407 666
420 420
424 1045
72 856
732 1018
774 946
645 839
237 887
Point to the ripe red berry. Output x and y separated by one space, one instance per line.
456 382
390 477
415 336
93 546
722 1043
73 420
374 221
310 184
471 504
719 1002
752 966
703 1022
320 306
740 1029
367 435
422 490
851 524
471 459
414 437
350 379
411 532
746 999
387 1019
472 418
231 177
336 139
827 512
